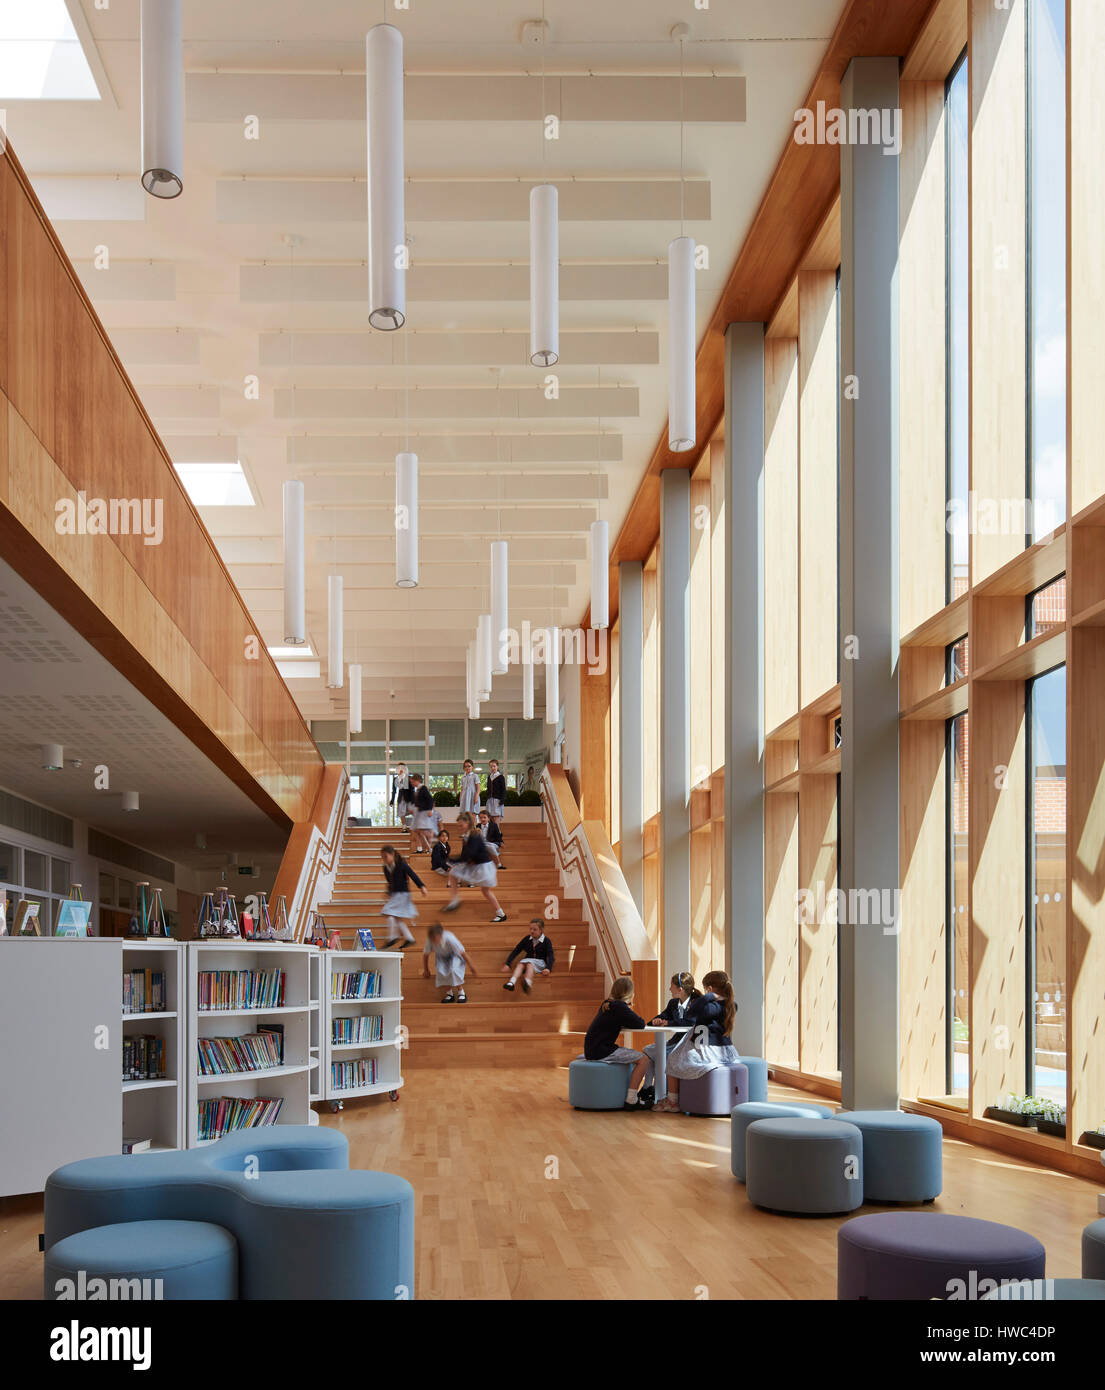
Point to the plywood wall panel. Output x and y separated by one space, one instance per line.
780 531
817 482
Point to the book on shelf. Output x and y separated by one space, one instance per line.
364 1029
219 1115
247 1052
277 1030
349 1076
357 984
144 991
143 1057
135 1146
240 989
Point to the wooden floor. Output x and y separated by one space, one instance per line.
521 1197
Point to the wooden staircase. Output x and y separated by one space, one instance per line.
495 1027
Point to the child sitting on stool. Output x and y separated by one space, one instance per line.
538 957
601 1041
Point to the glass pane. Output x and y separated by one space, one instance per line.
368 799
1047 608
1048 787
485 741
10 870
369 746
330 734
528 754
36 867
446 743
958 979
408 743
59 876
958 368
1048 264
957 661
107 889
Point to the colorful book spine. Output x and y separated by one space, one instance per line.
240 989
219 1115
360 984
350 1076
249 1052
368 1028
144 992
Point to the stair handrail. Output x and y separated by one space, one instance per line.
310 861
583 850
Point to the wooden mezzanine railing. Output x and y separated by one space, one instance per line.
584 855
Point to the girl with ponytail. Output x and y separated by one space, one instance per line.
682 992
708 1044
601 1042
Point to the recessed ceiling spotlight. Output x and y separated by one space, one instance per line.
487 728
481 750
53 757
130 801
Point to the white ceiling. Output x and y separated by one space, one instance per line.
59 689
201 291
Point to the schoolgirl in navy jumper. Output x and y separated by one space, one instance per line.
674 1013
399 907
708 1044
538 957
496 791
600 1043
494 837
439 855
474 866
424 825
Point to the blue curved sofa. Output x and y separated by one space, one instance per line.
306 1225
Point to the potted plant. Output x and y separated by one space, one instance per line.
444 796
1095 1138
1052 1119
1014 1110
529 798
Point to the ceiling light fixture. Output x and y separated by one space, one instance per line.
387 253
295 595
544 276
527 677
130 801
406 521
355 670
500 631
552 676
53 757
483 658
162 62
334 615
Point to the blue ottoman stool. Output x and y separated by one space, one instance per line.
1041 1290
144 1260
757 1078
715 1092
598 1085
1093 1250
808 1166
744 1115
903 1155
920 1254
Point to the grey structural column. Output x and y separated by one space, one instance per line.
869 995
744 678
630 716
675 718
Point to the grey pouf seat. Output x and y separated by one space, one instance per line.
750 1111
814 1167
1048 1290
757 1077
142 1261
903 1155
1093 1250
598 1085
716 1091
919 1254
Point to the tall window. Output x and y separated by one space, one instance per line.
957 358
958 983
1047 266
1047 885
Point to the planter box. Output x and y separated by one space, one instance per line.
1092 1140
1051 1127
1008 1117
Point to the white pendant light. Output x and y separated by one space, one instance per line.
500 631
681 344
470 701
334 607
552 675
544 276
130 801
483 658
162 63
600 574
527 678
295 599
52 757
387 287
406 521
354 697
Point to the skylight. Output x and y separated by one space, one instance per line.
277 653
300 670
216 484
41 57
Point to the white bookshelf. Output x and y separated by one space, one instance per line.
154 1109
386 1006
315 1032
290 1081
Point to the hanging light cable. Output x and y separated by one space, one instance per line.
162 63
681 309
387 295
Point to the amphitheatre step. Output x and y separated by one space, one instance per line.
489 956
463 1050
490 1010
557 989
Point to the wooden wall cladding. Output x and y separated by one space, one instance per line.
167 615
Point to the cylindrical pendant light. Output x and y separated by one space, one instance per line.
406 521
483 658
544 276
130 801
552 675
387 280
354 697
500 631
600 574
527 679
295 599
333 632
162 64
681 344
470 701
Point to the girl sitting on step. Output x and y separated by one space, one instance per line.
399 908
708 1044
601 1041
474 866
439 855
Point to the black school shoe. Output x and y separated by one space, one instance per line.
646 1097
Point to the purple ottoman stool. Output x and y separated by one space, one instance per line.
916 1254
715 1092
